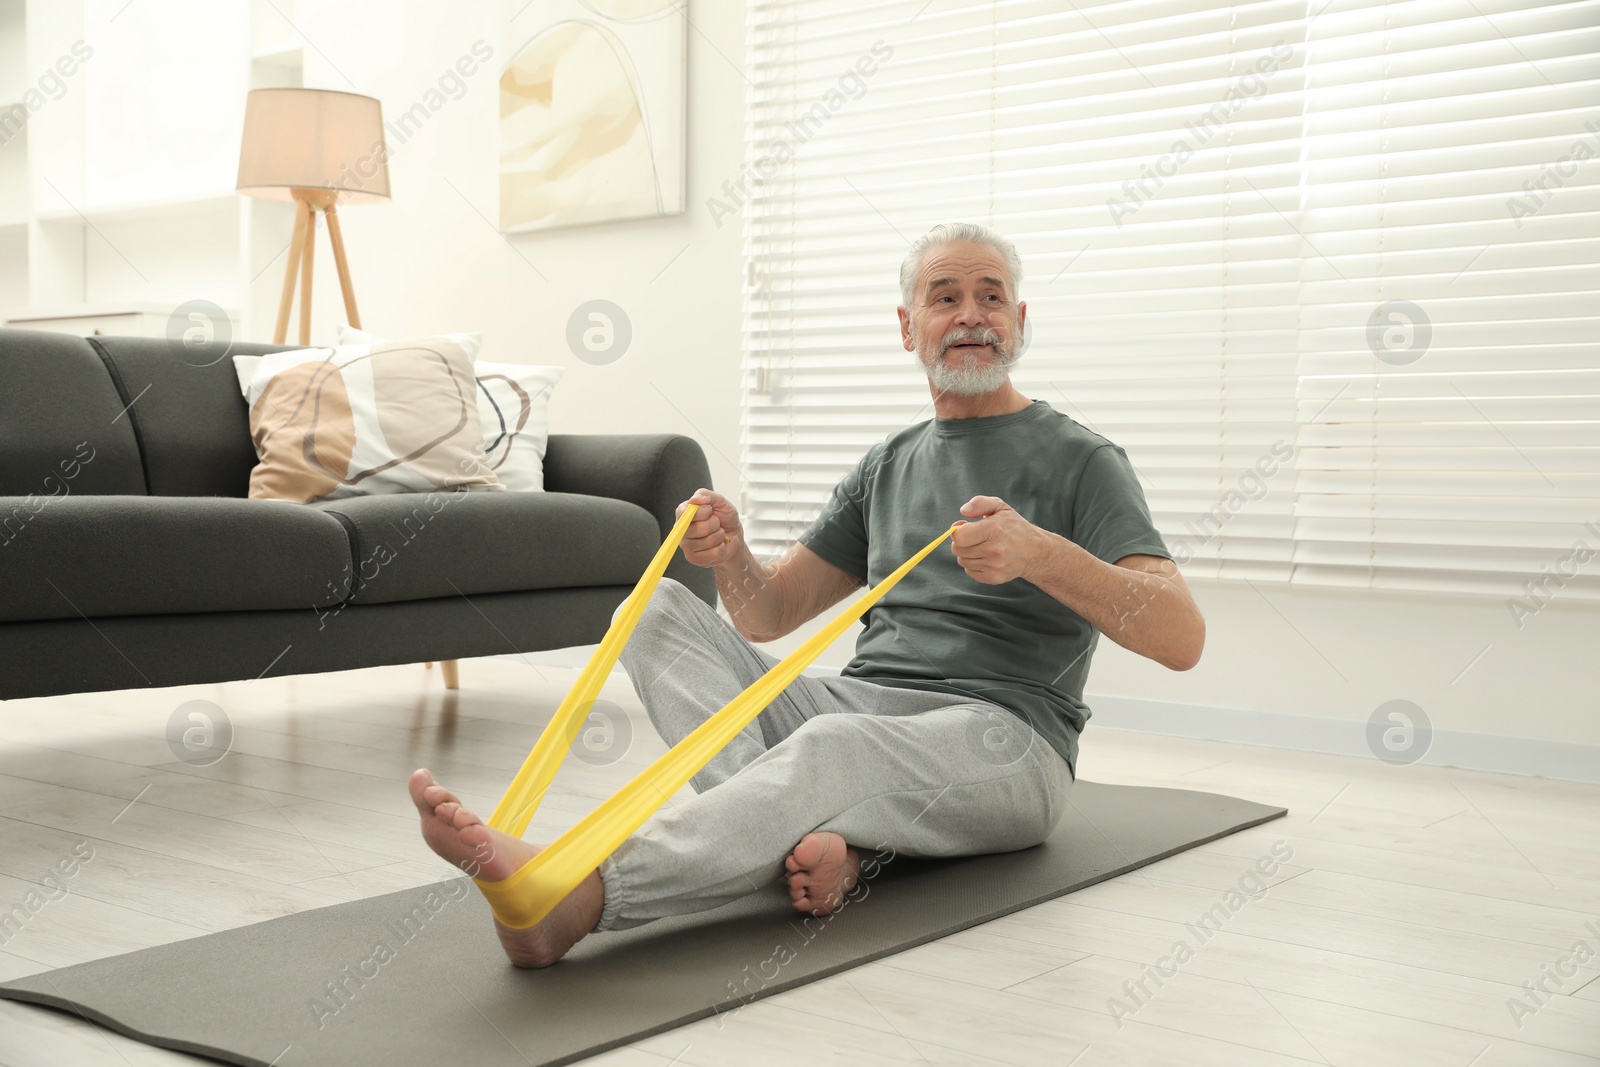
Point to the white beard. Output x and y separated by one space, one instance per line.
962 374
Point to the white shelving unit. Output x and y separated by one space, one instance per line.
81 239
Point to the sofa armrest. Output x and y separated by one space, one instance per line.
655 471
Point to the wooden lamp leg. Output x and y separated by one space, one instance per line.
305 278
297 245
337 239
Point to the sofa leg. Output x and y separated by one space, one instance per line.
452 678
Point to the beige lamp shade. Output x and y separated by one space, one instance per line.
313 139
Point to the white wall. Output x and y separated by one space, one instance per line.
1306 669
429 260
1341 654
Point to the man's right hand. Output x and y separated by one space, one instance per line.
715 535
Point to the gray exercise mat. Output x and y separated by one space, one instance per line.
417 977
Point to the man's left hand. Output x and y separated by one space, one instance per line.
1003 546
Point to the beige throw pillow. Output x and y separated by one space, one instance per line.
366 419
513 412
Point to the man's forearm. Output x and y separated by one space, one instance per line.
749 591
1143 612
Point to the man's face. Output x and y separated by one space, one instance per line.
966 324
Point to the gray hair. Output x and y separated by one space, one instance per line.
950 233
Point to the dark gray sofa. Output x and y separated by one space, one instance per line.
130 555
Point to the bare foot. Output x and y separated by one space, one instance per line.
462 838
822 869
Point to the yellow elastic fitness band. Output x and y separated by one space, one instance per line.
538 886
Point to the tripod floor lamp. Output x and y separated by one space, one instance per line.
319 148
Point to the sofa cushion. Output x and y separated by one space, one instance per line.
513 413
62 425
136 555
451 543
366 420
193 425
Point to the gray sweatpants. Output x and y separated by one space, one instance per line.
891 770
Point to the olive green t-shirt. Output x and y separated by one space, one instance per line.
940 630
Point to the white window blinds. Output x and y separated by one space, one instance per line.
1450 300
1211 204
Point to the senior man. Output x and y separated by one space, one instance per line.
954 730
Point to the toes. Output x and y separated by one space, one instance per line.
809 851
418 784
815 851
814 848
437 794
458 818
435 801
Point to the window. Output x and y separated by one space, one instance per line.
1327 272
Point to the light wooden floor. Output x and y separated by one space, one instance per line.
1416 904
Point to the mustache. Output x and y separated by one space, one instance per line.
985 336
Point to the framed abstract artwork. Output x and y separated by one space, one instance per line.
592 112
